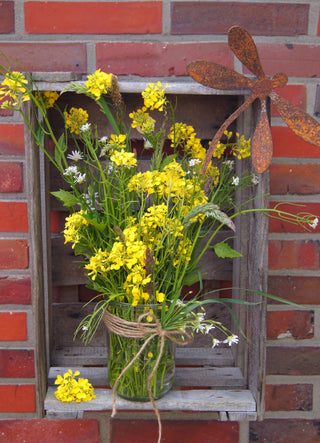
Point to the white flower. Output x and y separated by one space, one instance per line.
200 328
235 181
71 170
75 156
85 127
215 342
80 178
231 339
229 164
84 328
103 139
314 223
208 328
254 179
194 161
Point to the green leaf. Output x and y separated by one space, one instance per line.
66 198
223 250
209 210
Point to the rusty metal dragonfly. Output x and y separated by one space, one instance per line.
217 76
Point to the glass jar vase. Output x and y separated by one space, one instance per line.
133 384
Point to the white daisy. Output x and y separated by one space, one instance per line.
231 339
75 156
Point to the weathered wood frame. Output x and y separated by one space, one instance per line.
250 272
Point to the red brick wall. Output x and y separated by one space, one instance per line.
155 38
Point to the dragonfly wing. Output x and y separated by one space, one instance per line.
301 123
262 142
217 76
243 46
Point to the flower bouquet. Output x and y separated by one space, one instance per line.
141 235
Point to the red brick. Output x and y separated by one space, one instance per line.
11 177
295 179
15 291
13 326
6 17
295 94
288 144
33 57
50 431
14 254
157 59
17 398
173 431
295 324
278 225
55 221
289 397
292 59
293 361
294 254
90 17
258 19
16 363
285 431
13 217
11 139
302 290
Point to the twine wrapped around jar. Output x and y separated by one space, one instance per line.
146 331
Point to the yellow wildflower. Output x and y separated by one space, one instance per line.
48 98
71 389
98 83
142 121
14 88
122 158
73 225
76 118
154 96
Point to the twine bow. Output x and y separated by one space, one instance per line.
147 331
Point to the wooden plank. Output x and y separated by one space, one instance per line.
79 356
71 356
66 318
242 416
186 400
204 356
65 265
35 257
192 377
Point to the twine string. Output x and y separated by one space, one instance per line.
146 331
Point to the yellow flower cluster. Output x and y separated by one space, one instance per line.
116 146
97 264
98 84
73 225
154 96
184 135
240 149
76 118
48 98
179 134
14 88
142 121
243 148
122 158
71 389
